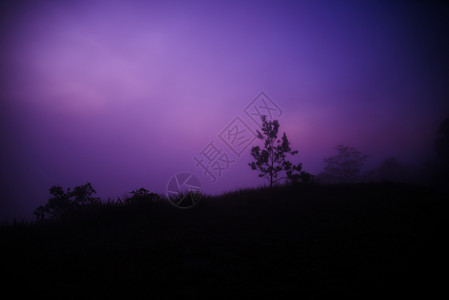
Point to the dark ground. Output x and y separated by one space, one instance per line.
361 240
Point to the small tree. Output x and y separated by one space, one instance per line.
56 206
142 195
83 194
345 166
271 160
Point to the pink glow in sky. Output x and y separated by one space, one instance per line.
123 94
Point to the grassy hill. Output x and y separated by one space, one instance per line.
313 241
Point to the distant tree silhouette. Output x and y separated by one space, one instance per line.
61 202
83 195
345 166
142 195
271 160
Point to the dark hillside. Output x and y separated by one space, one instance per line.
356 240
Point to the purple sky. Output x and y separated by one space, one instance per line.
124 94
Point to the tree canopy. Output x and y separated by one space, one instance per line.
271 161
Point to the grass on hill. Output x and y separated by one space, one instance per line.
306 240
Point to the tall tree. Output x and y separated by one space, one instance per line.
271 161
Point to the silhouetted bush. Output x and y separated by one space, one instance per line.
62 202
142 195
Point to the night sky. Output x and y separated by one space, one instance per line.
124 94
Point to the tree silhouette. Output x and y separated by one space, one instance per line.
141 196
61 202
83 194
345 166
271 160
